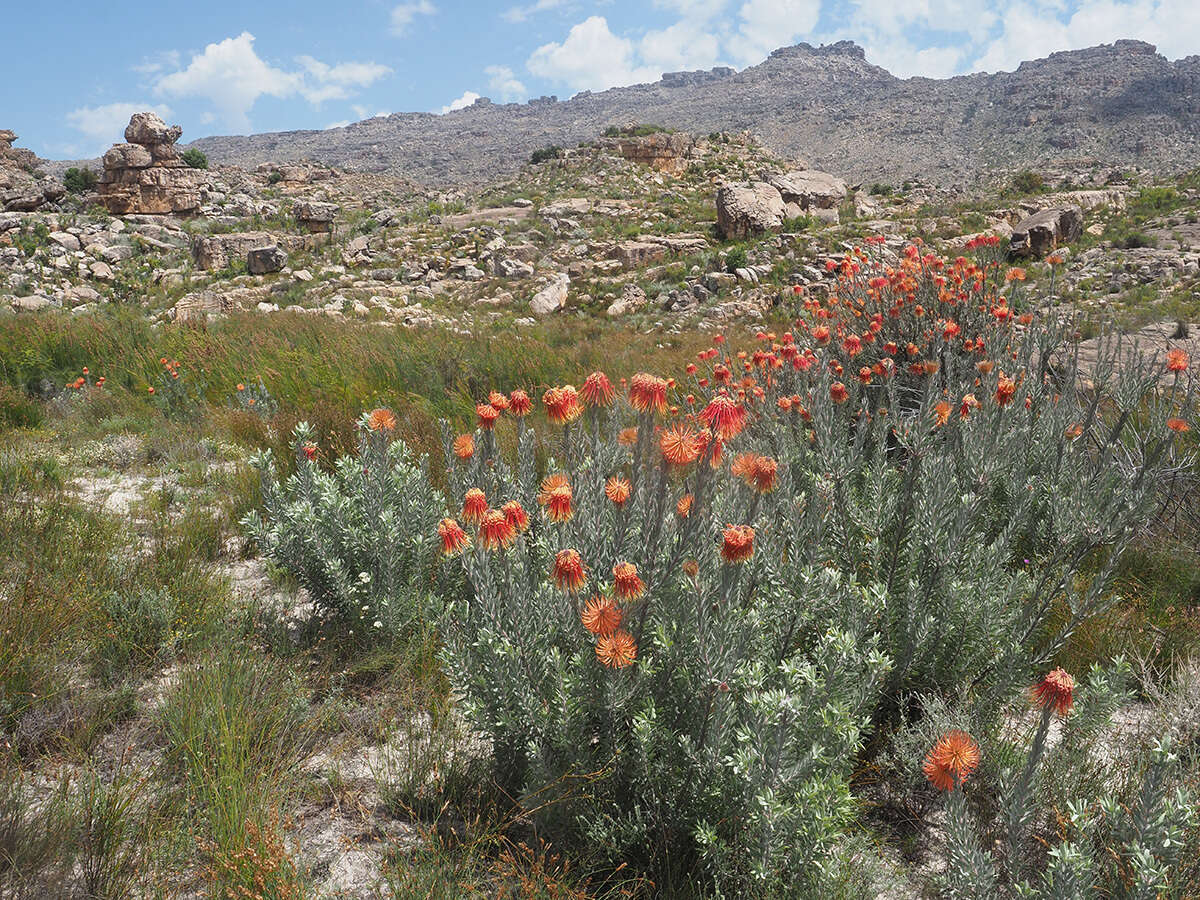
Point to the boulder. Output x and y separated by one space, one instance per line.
663 151
264 260
202 305
810 189
552 297
217 251
1046 230
632 297
314 216
127 156
147 128
748 209
635 253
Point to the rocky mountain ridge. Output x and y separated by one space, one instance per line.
1119 104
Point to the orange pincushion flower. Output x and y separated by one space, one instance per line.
1005 389
618 489
498 400
626 581
519 403
616 650
310 451
516 515
453 537
724 416
464 446
496 531
951 760
737 543
838 392
568 572
627 437
381 420
1179 426
474 505
683 508
648 393
1177 360
597 390
562 404
941 413
487 415
556 497
601 616
680 445
757 471
1057 690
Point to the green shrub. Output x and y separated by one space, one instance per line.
79 181
359 538
545 153
1027 181
18 410
735 258
275 177
195 158
136 629
881 190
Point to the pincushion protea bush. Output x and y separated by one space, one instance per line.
884 503
360 536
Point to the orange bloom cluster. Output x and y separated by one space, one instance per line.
951 760
562 404
568 571
556 498
757 471
648 393
496 530
519 403
627 582
680 445
737 543
724 416
616 650
601 616
474 505
464 446
1056 690
618 489
487 416
1177 360
454 539
598 390
381 420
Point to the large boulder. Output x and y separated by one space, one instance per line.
552 297
264 260
218 251
748 209
314 216
146 175
1046 230
809 189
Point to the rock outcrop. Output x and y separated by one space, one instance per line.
218 251
146 174
21 188
552 297
663 151
1046 230
314 216
748 209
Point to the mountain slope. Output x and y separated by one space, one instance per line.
1120 104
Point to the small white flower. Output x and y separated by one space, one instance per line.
378 624
364 577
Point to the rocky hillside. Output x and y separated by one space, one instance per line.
1121 104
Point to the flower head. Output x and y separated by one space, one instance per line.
616 650
680 445
519 403
627 437
626 581
381 420
568 571
601 616
1177 360
737 543
515 513
648 393
724 416
951 760
758 472
1057 690
487 416
555 496
498 400
474 505
1005 389
562 404
454 539
1179 426
618 489
683 506
597 390
464 446
496 530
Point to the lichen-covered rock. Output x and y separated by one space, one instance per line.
552 297
264 260
217 251
1046 230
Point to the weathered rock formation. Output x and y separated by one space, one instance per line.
315 217
747 209
663 151
146 174
1046 230
21 189
218 251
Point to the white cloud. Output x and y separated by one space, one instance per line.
104 126
465 100
503 84
232 76
590 58
157 62
521 13
765 25
403 15
688 44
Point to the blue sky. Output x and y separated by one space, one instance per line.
220 67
